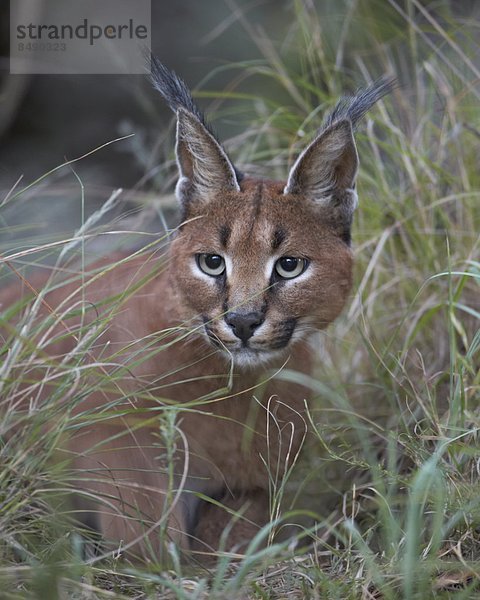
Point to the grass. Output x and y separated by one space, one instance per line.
389 481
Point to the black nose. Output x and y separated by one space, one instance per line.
244 324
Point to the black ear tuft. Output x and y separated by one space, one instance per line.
174 90
353 108
327 168
203 164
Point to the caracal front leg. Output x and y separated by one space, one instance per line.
231 524
125 492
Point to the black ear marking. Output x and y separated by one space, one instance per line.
327 166
347 235
203 164
326 170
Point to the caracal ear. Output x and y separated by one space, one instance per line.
204 167
326 170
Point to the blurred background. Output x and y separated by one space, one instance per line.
246 60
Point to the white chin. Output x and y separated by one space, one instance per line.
247 358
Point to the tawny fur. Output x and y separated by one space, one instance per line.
228 444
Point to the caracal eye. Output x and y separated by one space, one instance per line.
211 264
288 267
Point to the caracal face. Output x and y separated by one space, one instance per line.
257 270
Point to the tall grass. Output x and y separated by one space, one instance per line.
388 483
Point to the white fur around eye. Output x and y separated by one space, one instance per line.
228 265
269 267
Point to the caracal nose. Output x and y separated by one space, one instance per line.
244 324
